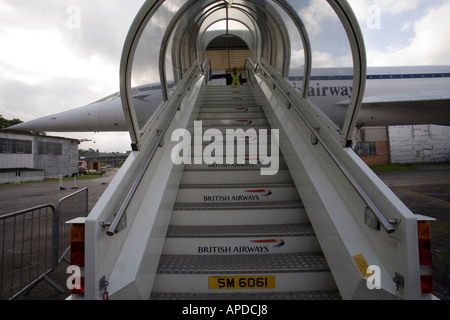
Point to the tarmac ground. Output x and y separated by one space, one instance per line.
425 191
18 197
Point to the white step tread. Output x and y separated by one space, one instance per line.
254 193
240 205
231 115
238 109
282 176
240 231
237 186
192 214
243 123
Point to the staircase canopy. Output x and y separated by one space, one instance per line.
305 41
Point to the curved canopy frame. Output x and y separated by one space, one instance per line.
168 37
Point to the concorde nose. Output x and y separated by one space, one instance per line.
103 116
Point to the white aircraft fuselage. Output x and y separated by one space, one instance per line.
393 96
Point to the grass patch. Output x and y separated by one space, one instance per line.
393 167
83 177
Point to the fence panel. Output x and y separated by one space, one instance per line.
26 254
68 208
34 241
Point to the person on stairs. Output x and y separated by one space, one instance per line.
236 77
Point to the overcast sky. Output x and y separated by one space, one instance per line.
57 55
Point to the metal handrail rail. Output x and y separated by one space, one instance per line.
113 226
387 224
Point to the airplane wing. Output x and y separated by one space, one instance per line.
426 108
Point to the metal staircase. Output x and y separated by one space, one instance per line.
234 233
172 230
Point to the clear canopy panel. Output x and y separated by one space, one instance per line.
146 86
330 86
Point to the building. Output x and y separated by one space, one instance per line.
420 144
97 160
404 144
373 145
27 157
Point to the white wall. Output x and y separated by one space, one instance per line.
9 160
419 143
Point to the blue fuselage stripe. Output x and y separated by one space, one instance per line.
378 77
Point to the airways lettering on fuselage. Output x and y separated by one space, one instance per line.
324 91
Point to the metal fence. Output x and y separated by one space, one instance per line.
68 208
34 241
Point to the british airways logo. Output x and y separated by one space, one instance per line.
248 195
244 121
277 243
262 192
259 246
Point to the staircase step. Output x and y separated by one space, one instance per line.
231 115
228 90
240 109
233 240
207 214
274 273
243 164
242 264
235 123
236 177
253 193
228 98
227 93
240 231
254 131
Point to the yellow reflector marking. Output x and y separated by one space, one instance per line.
362 265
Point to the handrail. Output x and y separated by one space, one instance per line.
113 226
387 224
